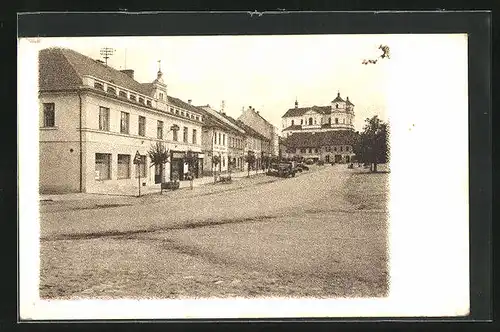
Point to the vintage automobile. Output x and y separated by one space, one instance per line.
301 167
283 169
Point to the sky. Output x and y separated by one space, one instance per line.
266 72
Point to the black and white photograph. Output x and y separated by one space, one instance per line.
244 176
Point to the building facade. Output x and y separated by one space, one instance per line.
339 115
320 132
254 120
94 119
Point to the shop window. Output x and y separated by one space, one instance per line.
123 166
102 166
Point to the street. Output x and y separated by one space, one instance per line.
320 234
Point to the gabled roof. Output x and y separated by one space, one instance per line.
299 111
62 69
304 140
348 102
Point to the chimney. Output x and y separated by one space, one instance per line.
189 101
128 72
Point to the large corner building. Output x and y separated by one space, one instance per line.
94 119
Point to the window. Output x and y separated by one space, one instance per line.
336 120
334 148
341 149
142 126
194 136
148 102
197 118
103 118
49 119
177 112
293 122
160 95
223 139
124 122
132 97
122 94
301 121
336 105
141 168
316 150
102 166
159 129
347 148
310 150
111 90
175 135
219 137
223 161
310 121
185 135
329 121
343 121
141 100
123 166
215 138
182 113
99 86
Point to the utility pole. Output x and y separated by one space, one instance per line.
106 53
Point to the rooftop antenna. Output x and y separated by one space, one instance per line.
106 53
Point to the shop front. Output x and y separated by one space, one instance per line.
179 165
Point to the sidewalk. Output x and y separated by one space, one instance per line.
126 193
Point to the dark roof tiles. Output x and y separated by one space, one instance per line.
62 68
337 137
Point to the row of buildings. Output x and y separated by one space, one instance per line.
95 119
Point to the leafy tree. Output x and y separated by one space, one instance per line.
250 159
159 156
191 159
215 161
372 145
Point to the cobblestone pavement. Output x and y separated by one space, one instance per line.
322 234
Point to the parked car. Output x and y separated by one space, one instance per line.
301 167
309 161
283 169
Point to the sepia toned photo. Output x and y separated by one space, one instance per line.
243 168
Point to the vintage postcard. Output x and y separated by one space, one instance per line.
243 176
